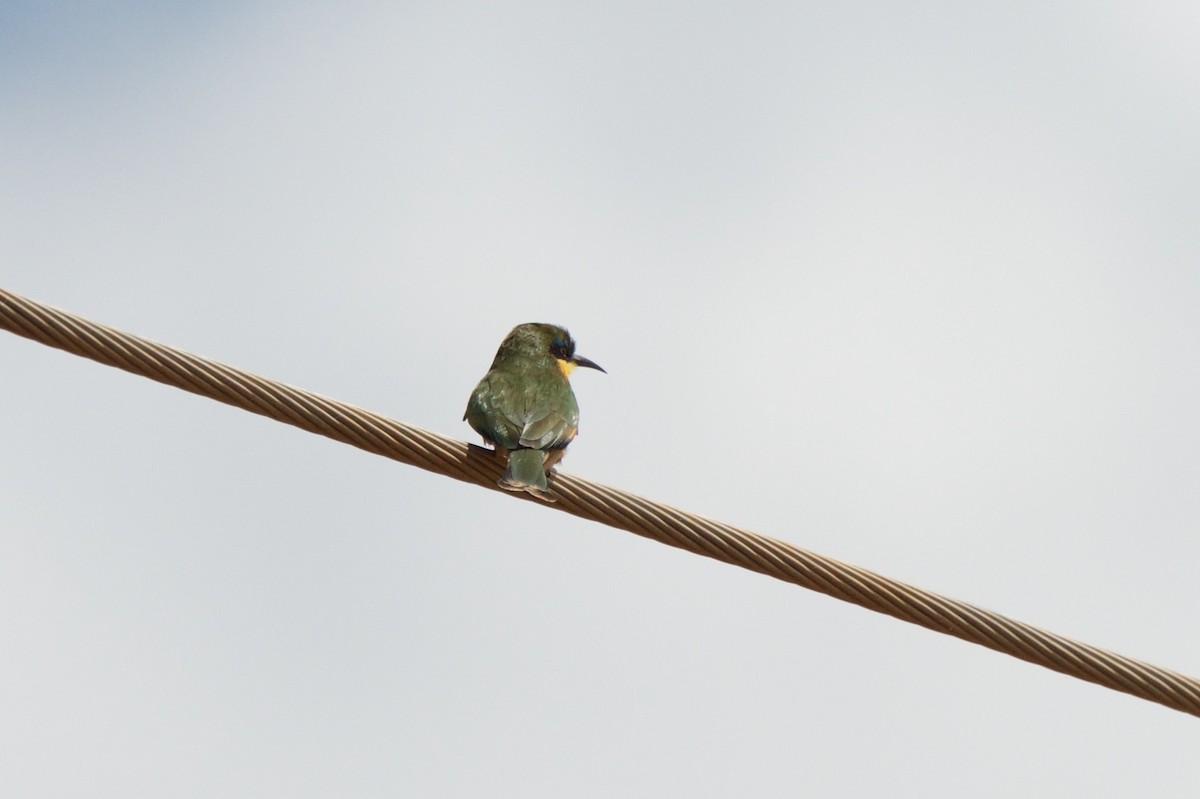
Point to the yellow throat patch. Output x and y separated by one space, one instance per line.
566 367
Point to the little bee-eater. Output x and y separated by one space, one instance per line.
524 405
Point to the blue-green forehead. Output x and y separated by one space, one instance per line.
558 335
563 344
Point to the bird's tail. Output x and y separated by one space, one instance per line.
527 472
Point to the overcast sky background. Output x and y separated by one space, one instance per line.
914 285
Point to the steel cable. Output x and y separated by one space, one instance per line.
610 506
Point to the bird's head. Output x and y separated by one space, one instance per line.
538 340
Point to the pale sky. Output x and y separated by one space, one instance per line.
913 285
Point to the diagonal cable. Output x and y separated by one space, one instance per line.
610 506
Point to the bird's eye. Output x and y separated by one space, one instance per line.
563 348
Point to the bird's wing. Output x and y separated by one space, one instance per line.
549 431
485 415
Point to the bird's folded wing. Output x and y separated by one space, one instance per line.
549 431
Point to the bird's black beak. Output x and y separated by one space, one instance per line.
579 360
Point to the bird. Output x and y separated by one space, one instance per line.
524 406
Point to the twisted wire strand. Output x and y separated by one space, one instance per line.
383 436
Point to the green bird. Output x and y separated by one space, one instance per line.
524 405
